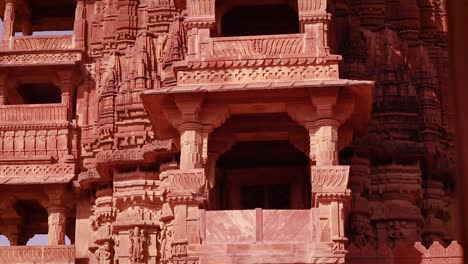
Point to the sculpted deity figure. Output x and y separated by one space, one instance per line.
105 253
165 238
138 244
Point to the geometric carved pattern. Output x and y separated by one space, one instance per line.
251 74
42 58
38 254
37 171
33 113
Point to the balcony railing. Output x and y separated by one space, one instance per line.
291 44
33 113
35 130
37 43
257 226
37 254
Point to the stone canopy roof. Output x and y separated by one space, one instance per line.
50 15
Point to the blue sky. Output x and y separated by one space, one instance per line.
37 240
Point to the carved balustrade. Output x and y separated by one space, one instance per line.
291 236
33 113
41 43
35 130
290 44
37 254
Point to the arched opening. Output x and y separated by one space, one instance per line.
262 169
34 226
39 18
34 218
41 240
250 18
4 242
266 174
34 93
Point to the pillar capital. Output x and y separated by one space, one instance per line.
314 125
190 126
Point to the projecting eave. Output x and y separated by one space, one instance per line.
361 90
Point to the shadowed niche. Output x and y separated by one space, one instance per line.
251 20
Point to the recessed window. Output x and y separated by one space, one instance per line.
36 93
251 20
39 17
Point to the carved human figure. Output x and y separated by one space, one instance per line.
191 149
165 239
137 246
105 253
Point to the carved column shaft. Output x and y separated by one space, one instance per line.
79 27
8 21
57 223
3 89
191 146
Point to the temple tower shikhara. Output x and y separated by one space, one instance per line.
226 131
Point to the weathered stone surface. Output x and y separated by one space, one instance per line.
211 131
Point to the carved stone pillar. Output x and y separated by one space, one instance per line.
314 21
66 88
3 88
331 196
13 232
329 181
200 20
57 223
79 27
8 21
191 146
324 141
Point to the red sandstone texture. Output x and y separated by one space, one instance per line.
216 131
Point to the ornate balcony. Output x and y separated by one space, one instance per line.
37 254
31 50
40 50
38 135
35 113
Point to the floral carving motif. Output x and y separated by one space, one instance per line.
28 43
329 178
252 46
186 181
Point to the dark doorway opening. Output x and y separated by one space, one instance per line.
36 93
250 20
265 174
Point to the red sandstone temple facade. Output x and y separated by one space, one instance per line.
226 131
